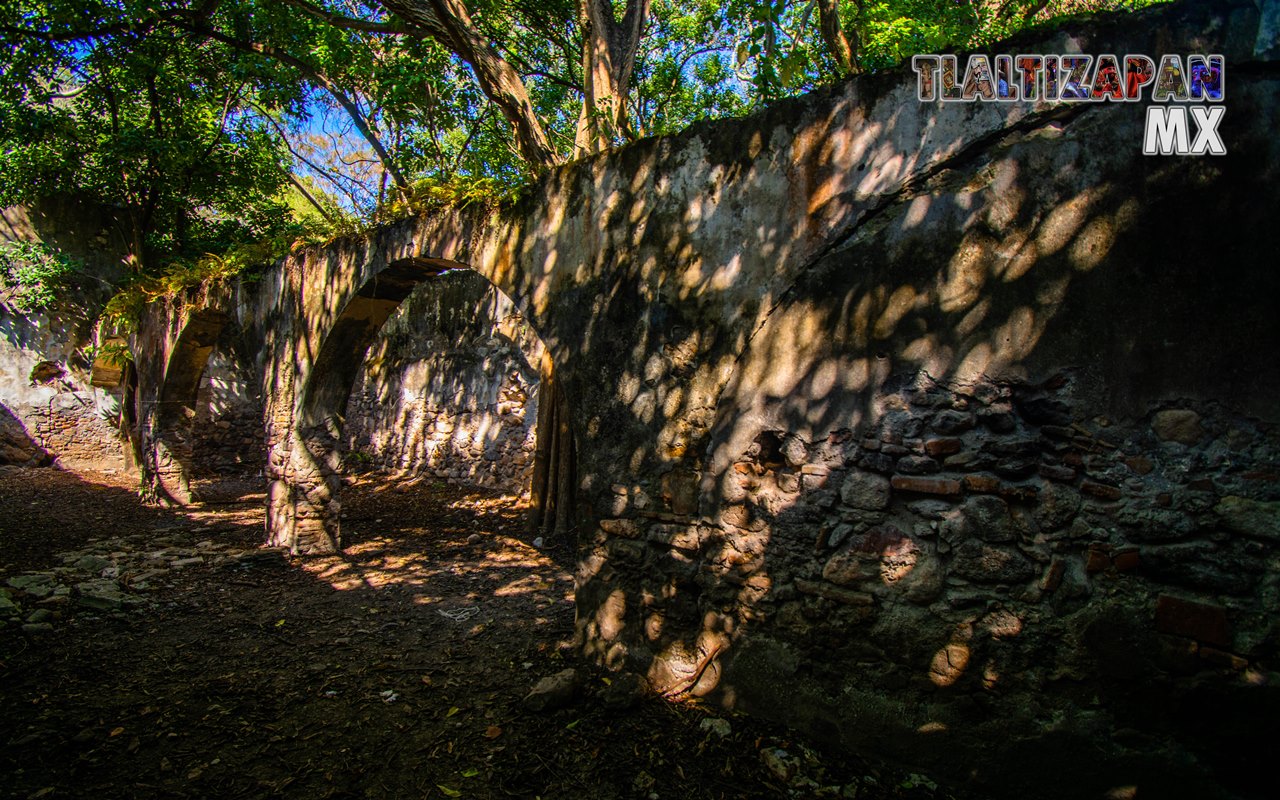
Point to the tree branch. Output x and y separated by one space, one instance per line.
838 44
350 23
449 23
315 75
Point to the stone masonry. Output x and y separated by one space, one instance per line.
944 430
450 388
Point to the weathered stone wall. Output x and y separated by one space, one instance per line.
75 429
941 429
226 428
450 388
991 485
51 409
985 568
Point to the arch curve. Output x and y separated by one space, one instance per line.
307 471
167 452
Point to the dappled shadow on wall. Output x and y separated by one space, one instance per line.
17 447
929 449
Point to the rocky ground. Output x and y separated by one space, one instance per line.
163 653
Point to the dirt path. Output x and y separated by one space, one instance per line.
170 656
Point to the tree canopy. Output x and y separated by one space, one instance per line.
213 123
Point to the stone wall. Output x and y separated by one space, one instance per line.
53 410
450 388
75 429
226 429
945 430
983 570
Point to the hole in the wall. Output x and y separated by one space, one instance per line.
46 373
210 417
450 388
421 422
767 450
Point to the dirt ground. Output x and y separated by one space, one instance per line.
163 653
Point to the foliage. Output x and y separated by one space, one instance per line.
33 273
113 353
125 307
456 192
212 126
150 125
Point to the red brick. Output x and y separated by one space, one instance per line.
1098 561
1100 490
1011 492
1139 464
1260 475
984 484
943 447
939 486
1200 621
1126 560
1222 658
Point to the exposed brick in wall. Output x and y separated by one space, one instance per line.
76 428
53 411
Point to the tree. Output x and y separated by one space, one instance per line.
148 125
608 59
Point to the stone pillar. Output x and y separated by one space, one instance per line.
303 512
169 470
317 482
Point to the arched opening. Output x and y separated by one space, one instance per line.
202 429
470 398
168 452
227 441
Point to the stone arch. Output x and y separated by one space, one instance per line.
305 509
167 451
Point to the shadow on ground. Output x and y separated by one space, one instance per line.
394 669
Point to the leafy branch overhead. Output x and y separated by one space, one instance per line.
32 274
212 124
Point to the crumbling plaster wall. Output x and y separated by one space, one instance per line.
56 414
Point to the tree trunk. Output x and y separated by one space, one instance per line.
608 59
448 22
552 491
128 424
842 50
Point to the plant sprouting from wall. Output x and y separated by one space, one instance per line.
33 274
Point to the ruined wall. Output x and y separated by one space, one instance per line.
941 430
449 388
226 426
49 408
992 485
